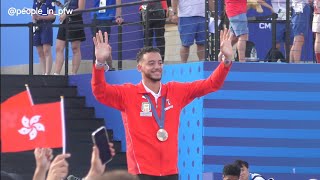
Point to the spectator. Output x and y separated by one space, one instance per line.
257 5
279 7
43 157
169 3
316 28
152 142
103 18
236 11
231 172
245 174
263 3
43 34
300 27
191 24
75 35
59 166
97 168
156 23
239 22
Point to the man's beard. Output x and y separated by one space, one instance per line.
149 76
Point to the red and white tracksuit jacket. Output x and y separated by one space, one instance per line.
145 153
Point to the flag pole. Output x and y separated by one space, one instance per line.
29 93
63 125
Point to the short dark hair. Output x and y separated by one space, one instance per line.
145 50
241 163
231 170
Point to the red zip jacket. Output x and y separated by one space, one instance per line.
145 153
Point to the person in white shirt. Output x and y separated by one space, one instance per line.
190 17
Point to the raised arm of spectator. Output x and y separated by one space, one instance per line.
43 157
59 167
97 168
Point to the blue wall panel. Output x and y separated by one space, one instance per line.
268 115
190 131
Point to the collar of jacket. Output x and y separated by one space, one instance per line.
142 90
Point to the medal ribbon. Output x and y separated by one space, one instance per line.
160 122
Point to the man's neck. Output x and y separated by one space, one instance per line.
152 85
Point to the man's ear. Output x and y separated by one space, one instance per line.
139 67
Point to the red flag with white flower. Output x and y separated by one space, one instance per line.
27 127
21 99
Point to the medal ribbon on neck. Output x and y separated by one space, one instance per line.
159 121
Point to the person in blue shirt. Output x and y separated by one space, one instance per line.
102 19
43 34
301 13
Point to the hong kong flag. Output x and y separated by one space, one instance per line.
27 127
21 99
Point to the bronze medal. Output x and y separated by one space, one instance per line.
162 135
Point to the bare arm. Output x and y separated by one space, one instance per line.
118 11
97 168
211 6
174 4
59 167
119 19
263 3
81 5
43 158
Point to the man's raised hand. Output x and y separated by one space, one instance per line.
225 44
102 48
